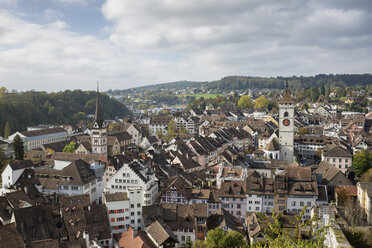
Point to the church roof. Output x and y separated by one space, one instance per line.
287 98
98 117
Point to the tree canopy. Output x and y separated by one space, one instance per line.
217 238
245 101
70 148
18 147
29 108
362 162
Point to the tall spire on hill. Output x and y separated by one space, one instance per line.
98 117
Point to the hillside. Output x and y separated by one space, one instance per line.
244 82
66 107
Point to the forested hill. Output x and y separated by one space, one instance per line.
66 107
241 82
245 82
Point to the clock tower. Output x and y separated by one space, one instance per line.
286 126
99 130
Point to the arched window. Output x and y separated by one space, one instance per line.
285 114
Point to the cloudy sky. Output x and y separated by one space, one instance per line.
54 45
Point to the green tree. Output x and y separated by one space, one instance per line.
171 130
303 130
188 242
217 238
261 103
70 148
245 101
362 162
18 147
277 237
3 159
7 130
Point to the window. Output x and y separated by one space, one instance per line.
346 160
339 160
301 204
293 204
257 208
257 202
112 219
139 221
131 213
132 205
285 114
183 238
138 205
138 213
334 160
281 207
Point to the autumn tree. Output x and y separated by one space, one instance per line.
303 130
70 148
245 101
18 147
261 103
171 130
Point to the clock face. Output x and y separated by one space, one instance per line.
286 122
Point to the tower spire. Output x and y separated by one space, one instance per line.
98 117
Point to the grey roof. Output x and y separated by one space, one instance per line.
161 233
44 132
222 218
337 151
120 196
22 164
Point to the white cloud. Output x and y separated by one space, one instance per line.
8 2
154 41
51 14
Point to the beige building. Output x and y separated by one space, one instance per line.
365 199
338 157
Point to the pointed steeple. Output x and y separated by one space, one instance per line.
287 98
98 117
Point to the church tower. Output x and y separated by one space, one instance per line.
99 130
286 126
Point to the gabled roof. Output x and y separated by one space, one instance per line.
287 98
97 222
328 172
22 164
222 218
337 151
57 146
161 233
129 240
119 196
